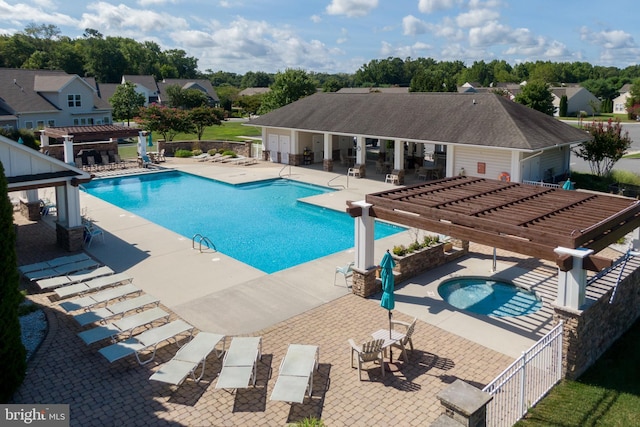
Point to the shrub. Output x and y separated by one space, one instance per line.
415 246
212 152
183 153
229 153
310 422
427 241
196 152
399 250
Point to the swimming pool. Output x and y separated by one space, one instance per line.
262 224
489 297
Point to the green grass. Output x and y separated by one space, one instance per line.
608 394
228 131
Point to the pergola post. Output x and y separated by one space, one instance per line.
572 284
68 150
364 279
327 162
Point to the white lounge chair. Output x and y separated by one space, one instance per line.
80 276
104 313
189 358
124 326
346 270
146 342
89 301
222 158
295 377
239 364
53 263
61 270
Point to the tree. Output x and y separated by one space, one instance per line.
250 103
257 79
204 116
633 102
126 102
536 95
287 88
608 146
564 105
12 351
166 121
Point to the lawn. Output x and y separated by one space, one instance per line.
608 394
228 131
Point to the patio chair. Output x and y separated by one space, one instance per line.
391 179
295 376
161 157
370 351
222 158
92 231
124 327
354 172
189 358
118 162
346 270
102 314
406 338
239 363
53 263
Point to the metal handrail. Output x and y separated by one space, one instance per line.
337 185
283 168
202 239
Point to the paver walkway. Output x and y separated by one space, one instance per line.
64 370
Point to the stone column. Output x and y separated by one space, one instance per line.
327 162
464 405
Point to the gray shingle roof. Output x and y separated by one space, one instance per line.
480 119
190 84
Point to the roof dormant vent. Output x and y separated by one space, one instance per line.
474 101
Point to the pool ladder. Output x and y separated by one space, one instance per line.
202 239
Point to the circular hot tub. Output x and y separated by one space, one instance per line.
489 297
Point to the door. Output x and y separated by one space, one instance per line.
285 146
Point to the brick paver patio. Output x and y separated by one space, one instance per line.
64 370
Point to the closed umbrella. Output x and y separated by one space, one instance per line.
386 276
150 140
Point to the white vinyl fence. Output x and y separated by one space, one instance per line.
526 381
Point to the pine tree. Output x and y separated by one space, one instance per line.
12 352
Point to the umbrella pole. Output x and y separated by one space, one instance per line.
390 347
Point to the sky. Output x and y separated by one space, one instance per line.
340 36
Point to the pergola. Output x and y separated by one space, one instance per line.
525 219
92 133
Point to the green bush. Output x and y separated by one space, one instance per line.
196 152
399 250
229 153
309 422
183 153
415 246
212 152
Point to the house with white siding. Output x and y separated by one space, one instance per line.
475 134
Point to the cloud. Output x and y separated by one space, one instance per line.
244 45
415 50
110 19
613 39
412 26
316 19
21 14
351 8
476 17
430 6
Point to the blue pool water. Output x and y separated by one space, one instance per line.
261 224
489 297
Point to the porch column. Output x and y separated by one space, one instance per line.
635 239
142 143
364 241
44 140
572 284
327 162
69 230
361 156
68 149
398 160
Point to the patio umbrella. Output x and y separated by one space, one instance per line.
150 140
386 276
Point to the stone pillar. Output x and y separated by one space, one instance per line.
572 284
327 165
364 283
70 238
463 404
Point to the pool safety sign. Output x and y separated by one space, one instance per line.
34 415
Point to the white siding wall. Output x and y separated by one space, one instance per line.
496 161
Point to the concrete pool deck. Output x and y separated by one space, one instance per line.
299 305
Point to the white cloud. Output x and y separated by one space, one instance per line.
21 14
412 26
111 19
613 39
476 17
316 19
351 8
406 51
430 6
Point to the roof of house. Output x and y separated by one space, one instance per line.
203 84
20 90
394 89
625 88
481 119
106 90
147 81
254 91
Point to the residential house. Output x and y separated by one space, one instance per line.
34 99
146 85
620 102
249 91
203 85
579 100
476 134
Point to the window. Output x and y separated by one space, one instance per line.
51 123
28 125
76 122
40 124
74 100
105 120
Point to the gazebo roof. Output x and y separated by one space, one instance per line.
522 218
92 133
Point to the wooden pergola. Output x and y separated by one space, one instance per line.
92 132
525 219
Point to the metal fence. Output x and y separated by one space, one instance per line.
526 381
